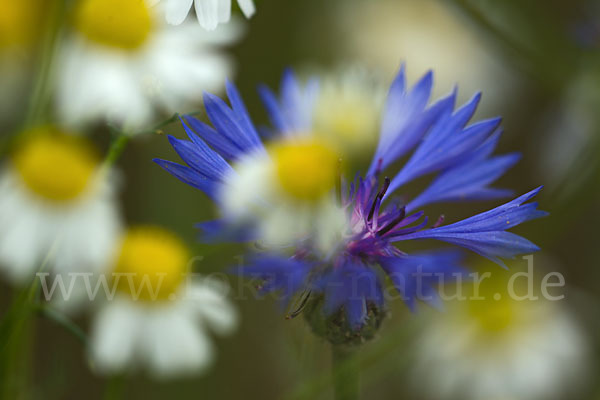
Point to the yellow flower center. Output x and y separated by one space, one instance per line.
124 24
493 316
498 313
151 264
348 121
19 22
54 166
306 170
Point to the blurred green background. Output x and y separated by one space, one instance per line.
538 65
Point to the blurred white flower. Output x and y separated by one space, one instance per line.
53 196
210 13
502 348
348 110
157 319
428 35
122 63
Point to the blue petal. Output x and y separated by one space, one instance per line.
285 275
351 286
222 144
293 112
200 157
503 217
222 231
233 124
467 182
415 276
189 176
493 245
276 114
406 120
242 115
485 233
448 143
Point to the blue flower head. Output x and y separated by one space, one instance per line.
365 226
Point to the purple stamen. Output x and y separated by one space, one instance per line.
439 221
378 169
393 223
379 197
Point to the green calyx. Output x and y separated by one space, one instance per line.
336 329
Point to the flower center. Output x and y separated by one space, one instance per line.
348 121
151 264
498 313
306 170
54 166
124 24
493 316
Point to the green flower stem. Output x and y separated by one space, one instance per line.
41 93
39 98
116 149
345 371
391 352
16 336
173 118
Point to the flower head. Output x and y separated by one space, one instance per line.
54 195
491 344
342 244
157 318
122 63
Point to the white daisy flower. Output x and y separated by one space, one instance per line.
210 13
501 348
53 195
157 319
122 63
347 111
286 190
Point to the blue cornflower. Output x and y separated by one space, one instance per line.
338 239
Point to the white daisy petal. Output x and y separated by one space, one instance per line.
24 236
181 77
208 299
177 10
107 87
247 7
540 355
115 335
174 343
207 12
224 10
94 225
